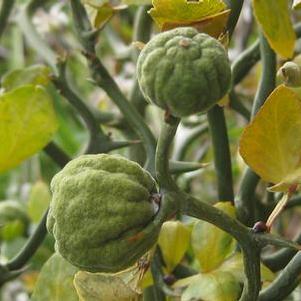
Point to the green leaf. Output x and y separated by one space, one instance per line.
28 123
210 244
122 286
174 241
55 281
235 266
34 75
38 201
214 286
274 18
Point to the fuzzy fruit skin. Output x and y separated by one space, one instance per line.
184 71
100 205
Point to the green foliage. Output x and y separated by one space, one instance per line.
100 207
200 77
123 231
29 121
55 281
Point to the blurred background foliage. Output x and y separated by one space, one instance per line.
24 190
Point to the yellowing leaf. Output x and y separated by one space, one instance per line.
107 287
32 75
100 12
208 16
215 286
274 18
271 143
27 123
55 281
174 241
210 244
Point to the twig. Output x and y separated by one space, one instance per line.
56 154
6 8
285 283
104 80
221 150
30 247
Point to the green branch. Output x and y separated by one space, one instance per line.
30 247
235 6
285 282
185 146
221 151
6 8
142 33
104 80
278 260
244 63
56 154
236 105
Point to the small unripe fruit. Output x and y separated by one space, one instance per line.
183 71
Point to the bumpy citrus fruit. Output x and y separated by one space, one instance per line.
100 212
184 71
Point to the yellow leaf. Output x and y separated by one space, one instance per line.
210 244
100 14
208 16
27 123
274 18
174 241
108 287
271 144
